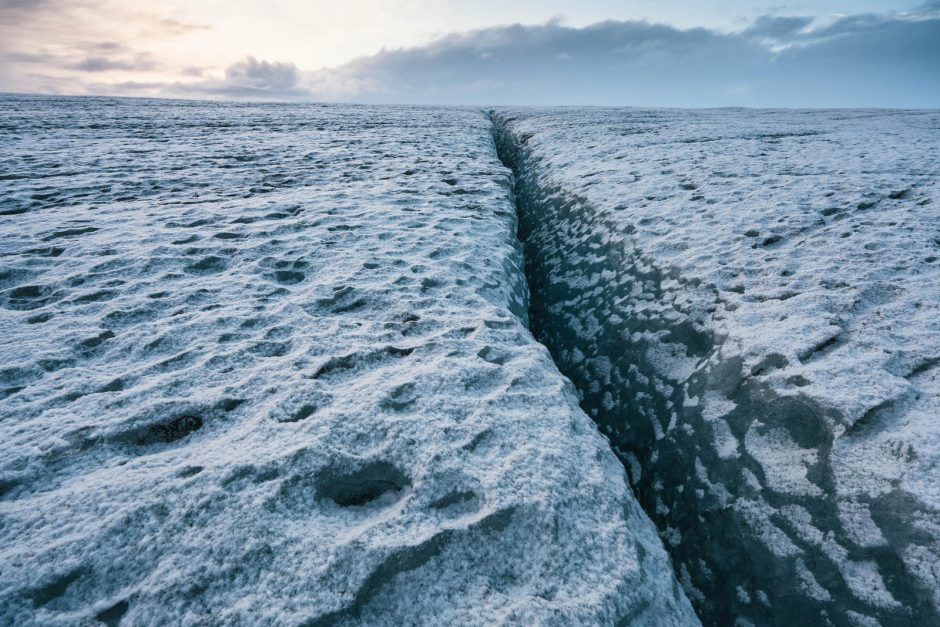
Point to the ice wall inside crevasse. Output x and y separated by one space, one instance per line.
748 305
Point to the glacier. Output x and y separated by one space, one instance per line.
309 364
269 364
747 302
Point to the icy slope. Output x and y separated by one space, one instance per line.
749 302
265 364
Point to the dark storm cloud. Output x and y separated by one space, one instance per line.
861 60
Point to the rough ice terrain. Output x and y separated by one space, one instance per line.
749 304
268 364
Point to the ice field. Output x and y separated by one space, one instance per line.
269 364
335 365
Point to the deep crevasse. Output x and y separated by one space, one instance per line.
759 453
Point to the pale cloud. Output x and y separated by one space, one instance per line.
778 28
248 79
198 50
138 63
176 27
256 74
23 5
50 45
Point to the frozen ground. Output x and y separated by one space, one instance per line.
749 303
267 364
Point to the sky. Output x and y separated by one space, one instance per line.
687 53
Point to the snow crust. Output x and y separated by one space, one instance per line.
749 304
268 364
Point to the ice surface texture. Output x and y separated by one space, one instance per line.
268 365
749 303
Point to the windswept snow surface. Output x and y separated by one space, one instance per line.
749 303
268 365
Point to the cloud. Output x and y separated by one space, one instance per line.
859 60
264 75
777 28
90 46
137 86
176 27
249 79
31 58
140 63
606 63
105 47
931 7
887 59
25 5
105 56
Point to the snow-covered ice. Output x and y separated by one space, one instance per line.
268 364
749 302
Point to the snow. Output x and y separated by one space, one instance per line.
780 268
269 364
